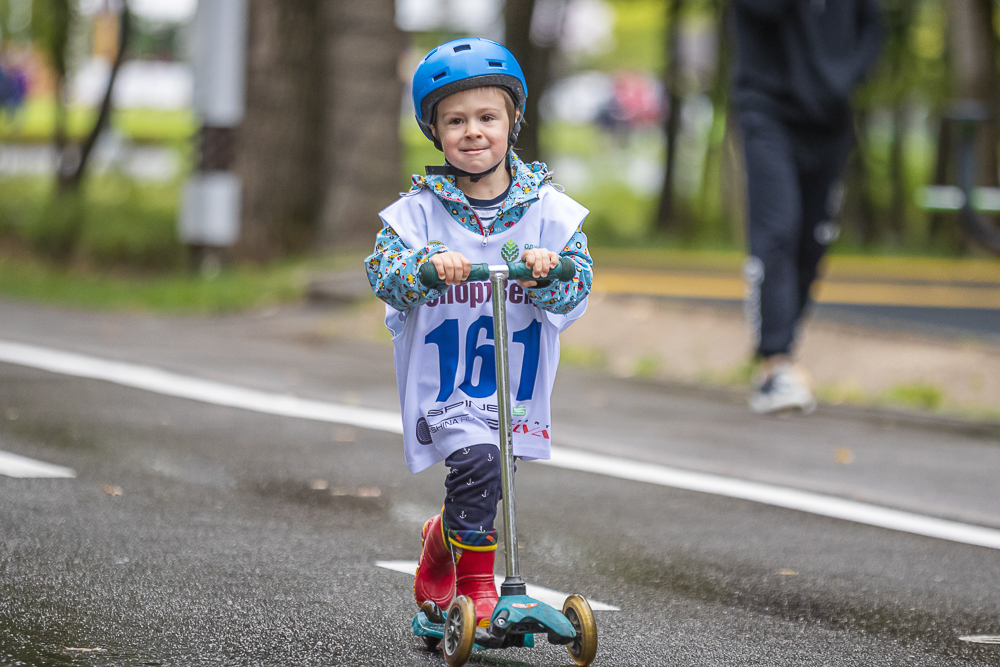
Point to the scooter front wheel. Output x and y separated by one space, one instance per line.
459 631
577 611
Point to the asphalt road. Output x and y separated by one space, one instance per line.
195 534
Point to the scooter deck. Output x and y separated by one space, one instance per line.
523 617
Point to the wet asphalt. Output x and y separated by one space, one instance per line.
200 535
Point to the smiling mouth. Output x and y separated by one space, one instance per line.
473 151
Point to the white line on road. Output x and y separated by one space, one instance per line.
217 393
769 494
196 389
13 465
540 593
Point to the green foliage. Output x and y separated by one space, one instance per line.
418 152
35 123
915 394
56 229
131 225
639 36
647 366
584 357
617 215
234 289
51 22
112 222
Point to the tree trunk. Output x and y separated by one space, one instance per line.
899 20
361 90
942 229
897 206
666 216
858 208
535 59
277 146
973 44
71 180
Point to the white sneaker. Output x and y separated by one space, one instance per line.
787 388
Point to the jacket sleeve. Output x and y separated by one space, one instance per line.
561 298
392 271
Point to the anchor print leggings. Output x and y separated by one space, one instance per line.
473 488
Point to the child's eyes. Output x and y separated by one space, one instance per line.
487 118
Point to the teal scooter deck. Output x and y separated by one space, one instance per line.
515 621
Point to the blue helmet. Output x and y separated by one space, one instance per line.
462 64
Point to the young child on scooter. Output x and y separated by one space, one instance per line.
483 205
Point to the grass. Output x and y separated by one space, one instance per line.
647 366
583 357
233 289
35 123
915 395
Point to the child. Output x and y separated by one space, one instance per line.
484 205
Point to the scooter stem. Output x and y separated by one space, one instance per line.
513 584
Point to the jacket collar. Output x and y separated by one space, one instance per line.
526 181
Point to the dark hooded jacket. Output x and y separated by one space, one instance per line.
800 60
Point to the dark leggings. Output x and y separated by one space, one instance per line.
473 488
793 203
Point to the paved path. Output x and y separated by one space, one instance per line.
194 533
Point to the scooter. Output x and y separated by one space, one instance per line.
517 617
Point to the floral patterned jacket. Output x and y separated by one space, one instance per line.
392 260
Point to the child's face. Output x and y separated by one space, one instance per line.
472 126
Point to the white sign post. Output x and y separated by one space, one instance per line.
210 214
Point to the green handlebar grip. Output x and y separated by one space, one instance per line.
565 270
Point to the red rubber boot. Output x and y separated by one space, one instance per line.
435 579
474 570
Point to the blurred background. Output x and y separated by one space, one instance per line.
628 104
218 155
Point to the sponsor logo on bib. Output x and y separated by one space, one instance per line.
423 432
509 251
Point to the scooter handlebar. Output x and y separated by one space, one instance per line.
564 271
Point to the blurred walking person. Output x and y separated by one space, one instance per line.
799 62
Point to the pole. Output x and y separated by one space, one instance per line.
210 214
513 584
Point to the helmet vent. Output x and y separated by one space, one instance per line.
440 75
494 63
463 47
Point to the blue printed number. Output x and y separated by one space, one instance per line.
530 338
486 354
446 337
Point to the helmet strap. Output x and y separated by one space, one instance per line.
451 170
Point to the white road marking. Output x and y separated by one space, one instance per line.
217 393
196 389
540 593
13 465
769 494
981 639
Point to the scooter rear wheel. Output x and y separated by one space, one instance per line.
577 611
459 631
